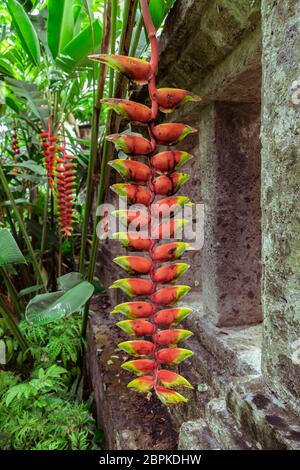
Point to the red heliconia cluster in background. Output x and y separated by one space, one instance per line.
15 143
60 167
150 318
65 176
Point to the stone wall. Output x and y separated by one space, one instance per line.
280 198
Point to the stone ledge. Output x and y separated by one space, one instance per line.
128 420
197 435
225 429
258 411
237 348
218 431
250 418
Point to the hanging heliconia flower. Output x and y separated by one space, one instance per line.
152 313
60 167
65 186
15 147
51 148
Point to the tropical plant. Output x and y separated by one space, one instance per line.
31 414
31 404
145 228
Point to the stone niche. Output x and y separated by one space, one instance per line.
215 49
230 161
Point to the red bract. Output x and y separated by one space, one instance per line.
131 170
64 178
133 193
164 162
134 264
167 185
168 206
137 327
171 98
142 185
137 70
172 133
133 241
170 229
129 109
169 251
130 144
169 273
135 219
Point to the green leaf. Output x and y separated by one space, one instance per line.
80 47
46 308
35 229
60 25
69 280
202 388
159 10
25 31
6 68
18 202
17 90
9 250
55 371
32 166
30 289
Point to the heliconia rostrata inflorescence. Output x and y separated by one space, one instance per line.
60 168
152 316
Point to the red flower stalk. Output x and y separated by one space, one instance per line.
50 150
15 143
150 317
65 181
61 175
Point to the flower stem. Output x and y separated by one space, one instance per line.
45 220
12 325
152 93
95 137
12 292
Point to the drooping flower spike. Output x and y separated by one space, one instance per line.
50 148
15 147
65 186
152 313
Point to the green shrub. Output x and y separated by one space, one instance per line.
41 412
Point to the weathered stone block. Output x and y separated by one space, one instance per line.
260 414
217 28
280 198
197 435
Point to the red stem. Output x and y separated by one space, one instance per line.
152 93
